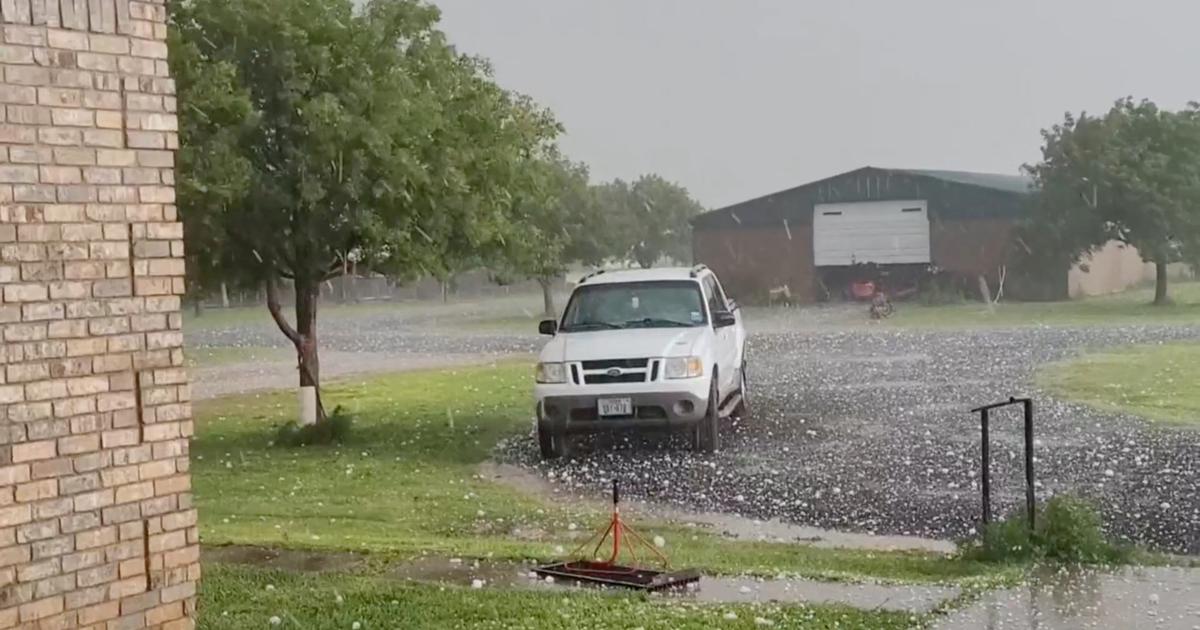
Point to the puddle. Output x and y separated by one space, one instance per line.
727 525
462 572
1158 598
710 590
914 599
285 559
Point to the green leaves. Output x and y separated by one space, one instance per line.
1132 175
325 129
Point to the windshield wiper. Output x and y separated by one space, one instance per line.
659 323
591 325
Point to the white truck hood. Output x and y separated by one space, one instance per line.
623 344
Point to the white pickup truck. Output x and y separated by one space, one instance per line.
649 349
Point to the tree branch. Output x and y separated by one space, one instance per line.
277 313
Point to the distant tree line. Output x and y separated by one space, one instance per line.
320 137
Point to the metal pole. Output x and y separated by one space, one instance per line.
1030 503
986 477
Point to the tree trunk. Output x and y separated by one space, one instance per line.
1160 282
306 348
985 292
548 297
304 335
344 297
224 296
198 307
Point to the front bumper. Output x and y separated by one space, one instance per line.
659 410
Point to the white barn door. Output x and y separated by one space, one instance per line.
882 232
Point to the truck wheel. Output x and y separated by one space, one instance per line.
547 444
742 411
551 443
707 438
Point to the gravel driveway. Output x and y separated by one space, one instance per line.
869 430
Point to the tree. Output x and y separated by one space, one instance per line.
560 224
214 174
367 133
1132 175
652 218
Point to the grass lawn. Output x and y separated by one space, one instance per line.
1158 382
236 598
1130 307
406 484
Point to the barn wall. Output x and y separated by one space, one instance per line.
971 247
752 261
97 527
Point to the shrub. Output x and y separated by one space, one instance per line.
941 288
1068 529
1005 541
335 429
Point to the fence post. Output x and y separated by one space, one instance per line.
987 464
1030 504
986 457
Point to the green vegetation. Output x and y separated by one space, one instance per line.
1067 529
1157 382
335 430
235 598
406 482
1126 175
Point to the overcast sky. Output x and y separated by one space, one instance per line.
739 98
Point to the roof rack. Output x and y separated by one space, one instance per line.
697 269
591 275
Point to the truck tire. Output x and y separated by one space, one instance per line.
551 443
707 435
742 411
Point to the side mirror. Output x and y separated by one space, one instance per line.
547 327
721 319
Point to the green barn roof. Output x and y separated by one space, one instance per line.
951 194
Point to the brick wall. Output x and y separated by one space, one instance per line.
97 527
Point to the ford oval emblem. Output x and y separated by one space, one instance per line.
613 372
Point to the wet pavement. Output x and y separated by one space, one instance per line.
1149 598
914 599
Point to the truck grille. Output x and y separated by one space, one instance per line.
628 371
628 377
615 363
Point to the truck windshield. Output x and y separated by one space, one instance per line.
659 304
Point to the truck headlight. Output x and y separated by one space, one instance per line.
551 373
684 367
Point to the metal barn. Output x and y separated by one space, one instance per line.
960 223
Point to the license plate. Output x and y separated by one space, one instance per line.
615 406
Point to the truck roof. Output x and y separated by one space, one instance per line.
654 274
